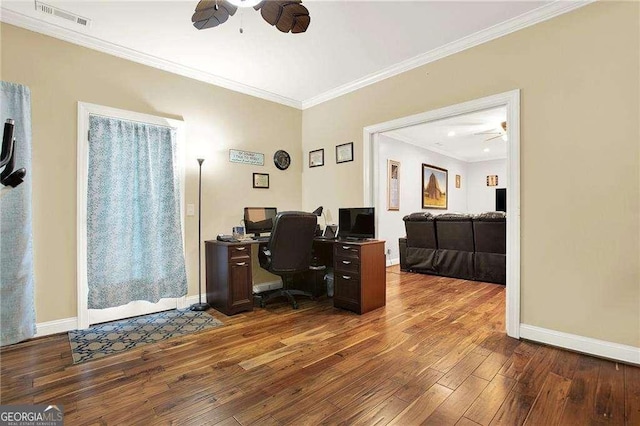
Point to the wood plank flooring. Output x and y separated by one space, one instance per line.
436 355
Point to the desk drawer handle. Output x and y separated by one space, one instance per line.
346 248
346 262
346 277
241 248
241 263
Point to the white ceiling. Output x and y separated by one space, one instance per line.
347 41
465 145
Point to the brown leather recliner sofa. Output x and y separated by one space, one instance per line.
456 245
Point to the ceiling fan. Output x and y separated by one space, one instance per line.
499 132
286 15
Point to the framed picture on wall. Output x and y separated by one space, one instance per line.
492 180
434 187
261 180
316 158
393 185
344 153
458 181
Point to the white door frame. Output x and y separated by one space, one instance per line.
88 316
510 100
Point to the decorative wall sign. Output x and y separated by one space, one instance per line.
316 158
282 159
434 187
393 185
344 153
261 180
492 180
246 157
458 181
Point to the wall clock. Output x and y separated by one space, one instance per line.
282 159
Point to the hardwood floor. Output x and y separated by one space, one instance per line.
436 354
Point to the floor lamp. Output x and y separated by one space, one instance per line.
200 306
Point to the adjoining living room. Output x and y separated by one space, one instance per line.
453 168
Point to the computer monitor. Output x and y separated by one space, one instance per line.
356 223
259 219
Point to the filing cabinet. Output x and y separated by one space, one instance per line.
359 275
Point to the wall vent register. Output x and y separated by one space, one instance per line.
54 11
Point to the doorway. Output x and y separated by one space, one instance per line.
130 215
511 102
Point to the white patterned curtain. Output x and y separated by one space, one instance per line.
17 310
134 228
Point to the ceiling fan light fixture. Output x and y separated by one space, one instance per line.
244 3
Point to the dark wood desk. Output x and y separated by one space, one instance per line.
359 274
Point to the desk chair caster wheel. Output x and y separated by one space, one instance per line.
295 306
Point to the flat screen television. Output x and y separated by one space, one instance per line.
501 199
259 219
356 223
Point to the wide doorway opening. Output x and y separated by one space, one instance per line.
455 172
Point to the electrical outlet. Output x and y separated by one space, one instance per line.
191 210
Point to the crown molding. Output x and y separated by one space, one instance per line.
47 28
525 20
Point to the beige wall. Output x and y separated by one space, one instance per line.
61 74
580 161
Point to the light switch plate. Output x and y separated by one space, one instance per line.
191 209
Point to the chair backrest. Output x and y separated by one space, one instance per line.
421 230
455 232
490 232
291 242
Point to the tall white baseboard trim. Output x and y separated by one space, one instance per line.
67 324
582 344
56 326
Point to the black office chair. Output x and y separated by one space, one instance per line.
288 252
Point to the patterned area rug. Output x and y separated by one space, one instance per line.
109 338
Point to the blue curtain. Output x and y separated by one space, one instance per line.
17 310
134 230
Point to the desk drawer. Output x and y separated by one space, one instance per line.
347 291
240 251
347 264
347 250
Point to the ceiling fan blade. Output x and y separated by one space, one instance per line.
286 15
211 13
300 23
487 132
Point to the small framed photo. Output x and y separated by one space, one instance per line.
316 158
344 153
261 180
458 181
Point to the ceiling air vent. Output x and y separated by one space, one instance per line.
54 11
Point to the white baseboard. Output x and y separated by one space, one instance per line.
56 326
587 345
391 262
67 324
